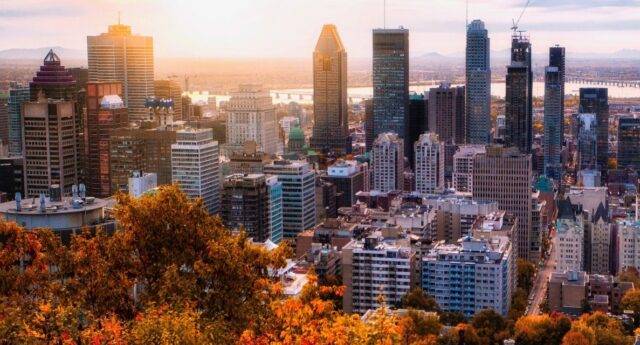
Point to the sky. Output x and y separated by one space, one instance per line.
290 28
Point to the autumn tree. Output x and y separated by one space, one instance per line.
606 330
417 299
631 301
526 272
541 329
490 326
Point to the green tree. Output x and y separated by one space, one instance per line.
417 299
490 326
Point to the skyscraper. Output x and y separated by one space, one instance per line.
105 111
446 113
587 142
252 116
418 121
16 97
195 166
245 204
429 165
557 59
4 119
553 118
504 175
391 83
387 162
629 142
368 124
519 95
49 138
53 80
120 56
331 120
596 101
478 78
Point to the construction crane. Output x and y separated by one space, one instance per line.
516 22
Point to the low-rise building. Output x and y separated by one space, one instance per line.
569 243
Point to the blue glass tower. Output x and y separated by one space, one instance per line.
16 97
478 77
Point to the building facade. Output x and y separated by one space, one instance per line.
348 179
596 101
629 142
519 96
429 163
195 166
463 167
246 205
387 161
569 243
251 116
17 96
553 118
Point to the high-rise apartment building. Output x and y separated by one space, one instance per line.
195 166
331 119
391 83
519 96
628 239
596 101
17 96
478 84
629 142
105 112
49 139
252 116
463 167
377 265
387 162
169 89
511 171
119 56
246 205
471 276
298 195
553 118
569 243
429 164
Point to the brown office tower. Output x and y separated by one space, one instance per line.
105 111
53 80
140 149
245 205
331 120
504 175
120 56
446 113
169 89
49 139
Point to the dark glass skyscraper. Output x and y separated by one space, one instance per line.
557 59
391 82
418 111
553 123
629 143
331 125
596 101
478 77
519 95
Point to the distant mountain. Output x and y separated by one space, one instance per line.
40 53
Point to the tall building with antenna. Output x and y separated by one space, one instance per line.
122 57
519 95
331 125
391 83
478 82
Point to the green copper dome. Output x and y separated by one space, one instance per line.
296 134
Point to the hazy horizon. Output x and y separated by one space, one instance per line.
276 29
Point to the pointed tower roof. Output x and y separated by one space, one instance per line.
329 40
51 58
601 213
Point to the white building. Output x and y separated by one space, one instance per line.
195 166
471 275
377 265
140 183
463 167
569 242
387 161
628 244
252 116
298 195
429 156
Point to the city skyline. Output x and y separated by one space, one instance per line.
264 31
